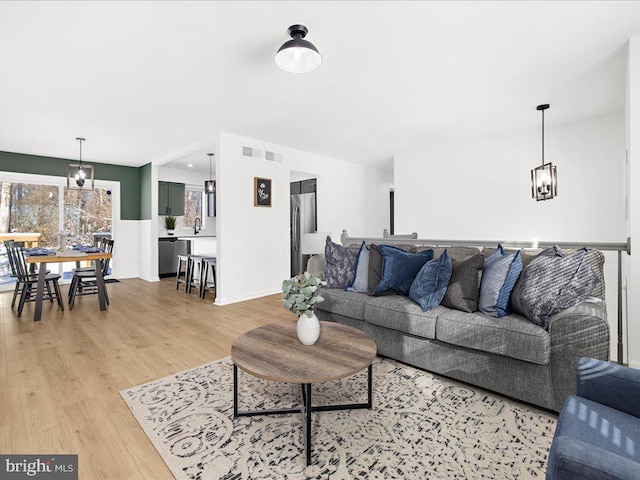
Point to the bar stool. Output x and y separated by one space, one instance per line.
208 265
187 262
194 280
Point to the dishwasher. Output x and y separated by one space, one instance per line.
168 251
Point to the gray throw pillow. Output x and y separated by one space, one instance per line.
552 282
341 265
463 291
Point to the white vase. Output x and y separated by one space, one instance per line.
308 329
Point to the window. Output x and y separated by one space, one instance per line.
36 206
86 212
28 207
192 207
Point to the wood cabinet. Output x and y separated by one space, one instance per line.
170 198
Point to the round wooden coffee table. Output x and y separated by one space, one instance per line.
273 352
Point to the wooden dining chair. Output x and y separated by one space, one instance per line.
26 281
84 281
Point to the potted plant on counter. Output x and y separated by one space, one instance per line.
170 224
300 294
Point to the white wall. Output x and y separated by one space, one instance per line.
481 190
633 225
253 242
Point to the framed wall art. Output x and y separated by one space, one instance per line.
261 192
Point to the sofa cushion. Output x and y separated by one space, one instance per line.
375 265
513 336
430 284
455 253
341 264
593 441
361 278
526 254
399 268
347 304
399 313
463 291
554 281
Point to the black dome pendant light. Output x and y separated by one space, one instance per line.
298 55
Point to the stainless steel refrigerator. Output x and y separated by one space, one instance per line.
303 220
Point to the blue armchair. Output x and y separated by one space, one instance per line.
598 431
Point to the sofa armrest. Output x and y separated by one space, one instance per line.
582 330
610 384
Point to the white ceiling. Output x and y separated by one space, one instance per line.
152 81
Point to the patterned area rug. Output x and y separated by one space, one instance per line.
421 426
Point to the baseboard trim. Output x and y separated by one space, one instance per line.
635 365
228 301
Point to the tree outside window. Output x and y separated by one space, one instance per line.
192 207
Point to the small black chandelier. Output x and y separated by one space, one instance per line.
544 179
78 174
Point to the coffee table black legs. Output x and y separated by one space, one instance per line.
307 421
306 409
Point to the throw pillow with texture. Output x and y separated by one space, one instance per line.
361 279
552 282
430 284
463 291
399 268
341 265
375 265
499 276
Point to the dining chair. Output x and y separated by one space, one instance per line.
84 281
25 280
18 288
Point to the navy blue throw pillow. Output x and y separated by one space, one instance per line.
431 282
399 268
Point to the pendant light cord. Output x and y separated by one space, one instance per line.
543 137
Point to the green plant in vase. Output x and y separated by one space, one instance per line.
300 294
170 224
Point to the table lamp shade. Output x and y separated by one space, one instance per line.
312 243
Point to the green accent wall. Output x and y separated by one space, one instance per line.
129 177
145 192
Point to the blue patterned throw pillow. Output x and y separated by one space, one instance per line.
360 282
554 281
341 265
499 276
431 282
399 268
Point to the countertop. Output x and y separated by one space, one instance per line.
189 237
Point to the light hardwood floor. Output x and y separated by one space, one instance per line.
61 376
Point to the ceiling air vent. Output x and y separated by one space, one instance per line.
273 157
251 152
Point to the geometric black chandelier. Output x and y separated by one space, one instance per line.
79 174
544 179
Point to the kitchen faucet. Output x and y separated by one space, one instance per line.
197 226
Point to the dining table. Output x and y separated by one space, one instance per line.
63 257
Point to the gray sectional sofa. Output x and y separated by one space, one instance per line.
509 355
